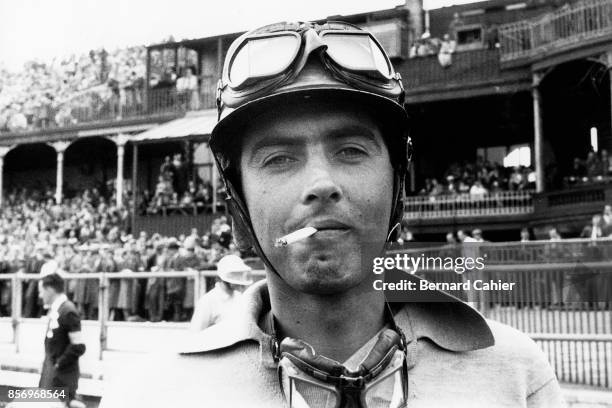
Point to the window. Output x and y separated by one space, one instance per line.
203 162
518 155
469 36
594 139
509 156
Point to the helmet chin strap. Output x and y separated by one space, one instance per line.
241 216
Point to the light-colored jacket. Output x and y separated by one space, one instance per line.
461 360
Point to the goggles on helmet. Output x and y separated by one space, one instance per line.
272 56
309 380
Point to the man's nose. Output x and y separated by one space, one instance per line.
321 186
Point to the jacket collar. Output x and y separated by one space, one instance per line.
448 322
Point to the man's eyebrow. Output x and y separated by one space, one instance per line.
355 131
275 139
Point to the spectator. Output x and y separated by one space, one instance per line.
593 230
447 48
525 236
606 163
175 287
477 235
187 88
478 190
593 166
454 25
554 235
607 220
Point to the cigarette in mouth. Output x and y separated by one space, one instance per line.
294 237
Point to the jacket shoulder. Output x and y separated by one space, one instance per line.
67 307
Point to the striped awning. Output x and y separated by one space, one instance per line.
199 123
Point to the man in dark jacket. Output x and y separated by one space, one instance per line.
63 342
32 266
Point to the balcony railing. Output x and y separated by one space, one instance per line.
467 67
466 205
568 26
101 104
566 251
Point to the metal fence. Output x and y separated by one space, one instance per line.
566 307
512 253
17 280
101 104
566 26
466 205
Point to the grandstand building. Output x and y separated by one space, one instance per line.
523 84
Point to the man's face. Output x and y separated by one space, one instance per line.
321 166
46 293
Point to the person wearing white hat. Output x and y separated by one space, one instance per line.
233 277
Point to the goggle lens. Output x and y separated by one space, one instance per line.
305 395
386 391
356 52
263 57
303 391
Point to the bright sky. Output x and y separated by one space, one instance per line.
42 29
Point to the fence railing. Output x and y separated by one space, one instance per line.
578 358
102 104
466 205
566 308
16 279
529 252
566 26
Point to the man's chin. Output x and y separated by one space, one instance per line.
323 278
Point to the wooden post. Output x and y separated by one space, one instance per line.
219 57
1 178
17 292
609 67
145 102
196 288
120 140
60 148
537 132
215 177
134 187
3 151
103 313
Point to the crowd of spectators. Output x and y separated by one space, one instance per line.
596 167
58 93
480 178
444 48
86 234
175 189
179 89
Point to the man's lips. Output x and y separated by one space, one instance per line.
325 224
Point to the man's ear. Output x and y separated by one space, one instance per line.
241 236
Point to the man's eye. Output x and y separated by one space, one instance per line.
279 160
351 152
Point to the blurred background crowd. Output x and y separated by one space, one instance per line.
479 178
89 234
43 95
